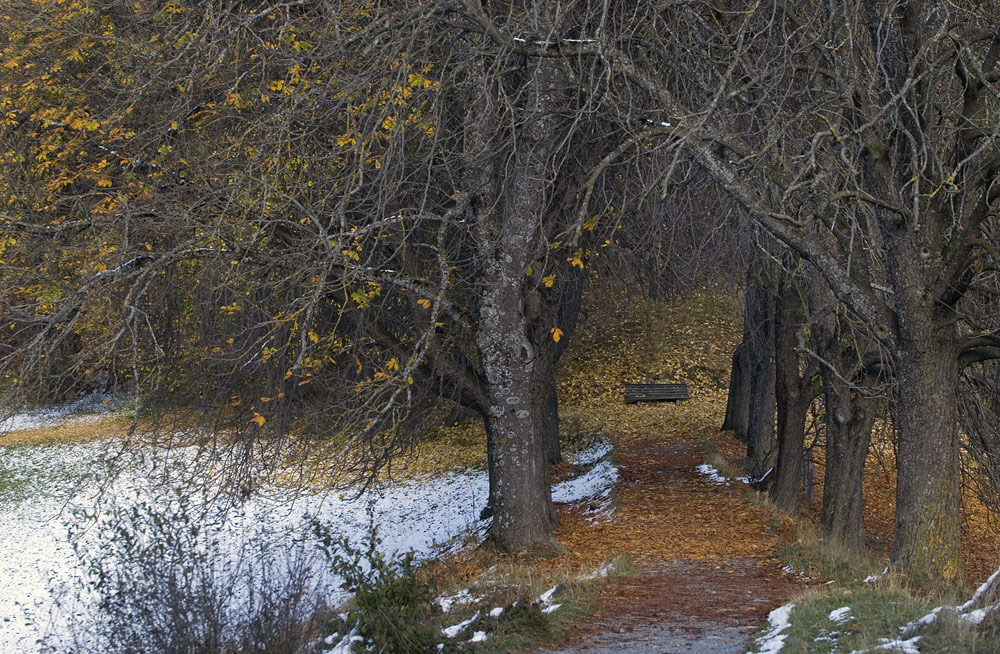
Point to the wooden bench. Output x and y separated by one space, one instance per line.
655 393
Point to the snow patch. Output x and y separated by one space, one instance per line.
715 477
840 615
595 484
873 578
456 629
600 572
893 645
478 637
590 455
773 639
461 597
346 645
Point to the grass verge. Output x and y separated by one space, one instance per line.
860 605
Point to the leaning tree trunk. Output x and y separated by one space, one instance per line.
793 395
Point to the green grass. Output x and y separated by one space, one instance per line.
522 626
878 609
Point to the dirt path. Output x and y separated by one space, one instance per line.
708 572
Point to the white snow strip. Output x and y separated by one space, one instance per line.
773 639
346 645
929 619
873 578
841 614
712 474
590 455
550 609
981 591
497 612
601 572
461 597
596 483
456 629
41 486
75 411
904 646
546 597
478 637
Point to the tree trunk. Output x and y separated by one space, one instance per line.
849 419
760 424
793 396
550 421
738 402
927 543
507 240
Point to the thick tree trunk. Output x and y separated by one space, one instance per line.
508 238
927 543
793 396
738 402
849 419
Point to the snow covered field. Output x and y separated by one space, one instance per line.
41 492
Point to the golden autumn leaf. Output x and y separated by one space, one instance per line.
259 419
556 334
424 302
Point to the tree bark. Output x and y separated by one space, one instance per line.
507 239
927 542
793 395
738 402
849 419
550 421
761 406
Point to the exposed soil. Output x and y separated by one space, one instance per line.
708 575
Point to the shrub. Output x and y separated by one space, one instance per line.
392 604
156 579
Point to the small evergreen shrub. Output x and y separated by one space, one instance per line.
392 604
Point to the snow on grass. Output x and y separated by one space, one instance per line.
840 615
600 572
595 484
40 485
90 407
461 597
546 598
590 455
870 579
773 638
456 629
715 477
893 645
